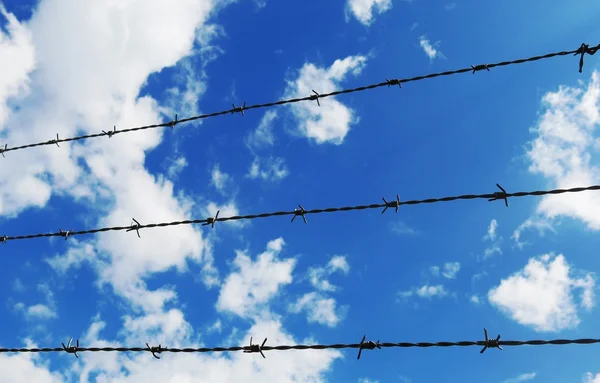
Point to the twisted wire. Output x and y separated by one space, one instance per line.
583 49
302 212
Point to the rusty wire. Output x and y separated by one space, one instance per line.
581 51
501 195
256 348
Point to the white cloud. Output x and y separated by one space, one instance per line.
253 284
318 275
263 136
220 180
435 271
475 299
225 210
367 380
541 295
320 309
491 233
590 378
399 227
451 269
18 57
363 10
564 151
430 49
330 122
540 224
521 378
26 368
425 291
40 311
176 167
268 169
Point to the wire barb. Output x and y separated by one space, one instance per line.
65 234
500 195
583 49
3 150
55 141
111 133
173 123
255 348
315 96
3 239
211 221
135 227
477 68
370 345
393 82
240 109
490 343
394 204
155 350
71 349
299 212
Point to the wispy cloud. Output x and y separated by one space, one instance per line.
430 49
270 169
521 378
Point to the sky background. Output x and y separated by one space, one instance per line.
439 272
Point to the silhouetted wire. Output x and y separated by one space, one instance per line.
582 50
301 212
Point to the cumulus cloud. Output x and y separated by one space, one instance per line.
320 309
318 275
564 148
330 122
263 136
521 378
39 311
430 49
541 295
425 291
252 284
26 368
220 180
268 169
364 10
590 378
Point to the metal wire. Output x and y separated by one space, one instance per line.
255 348
582 50
501 195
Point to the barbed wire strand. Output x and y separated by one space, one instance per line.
395 204
256 348
582 50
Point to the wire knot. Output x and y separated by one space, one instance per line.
490 343
110 133
3 150
155 350
173 123
239 109
394 204
477 68
315 96
135 227
54 141
501 195
583 49
211 221
71 349
299 212
255 347
393 82
65 234
370 345
3 239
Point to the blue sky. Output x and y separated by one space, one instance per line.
436 272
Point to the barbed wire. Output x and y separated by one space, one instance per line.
582 50
256 348
301 212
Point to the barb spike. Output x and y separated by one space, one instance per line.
316 97
135 227
500 195
3 150
256 348
65 234
370 345
173 123
393 82
154 350
490 343
583 49
211 221
477 68
110 133
3 239
71 349
299 212
394 204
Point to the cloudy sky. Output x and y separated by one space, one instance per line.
437 272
